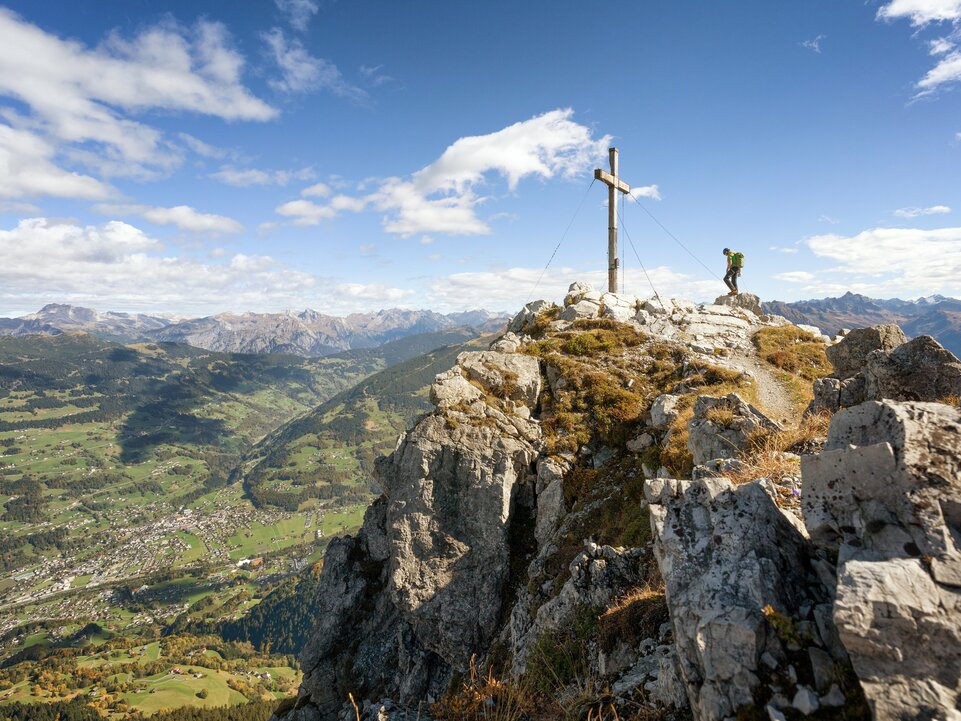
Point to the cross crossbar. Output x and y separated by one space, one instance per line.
616 183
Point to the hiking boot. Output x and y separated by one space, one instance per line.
733 292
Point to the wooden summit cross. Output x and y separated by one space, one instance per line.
613 183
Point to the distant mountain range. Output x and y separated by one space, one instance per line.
305 333
936 315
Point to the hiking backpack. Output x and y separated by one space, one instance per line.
737 260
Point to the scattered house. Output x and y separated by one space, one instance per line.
256 562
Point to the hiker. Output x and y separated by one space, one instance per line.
735 262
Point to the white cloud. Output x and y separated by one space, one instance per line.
442 197
27 170
509 289
779 249
947 71
78 96
301 72
940 46
921 12
374 76
426 240
895 261
117 266
203 149
917 212
796 276
298 12
318 190
828 219
182 216
245 177
814 45
646 191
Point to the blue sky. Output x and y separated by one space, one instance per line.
355 155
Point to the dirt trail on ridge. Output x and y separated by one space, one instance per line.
774 397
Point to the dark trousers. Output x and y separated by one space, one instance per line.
731 278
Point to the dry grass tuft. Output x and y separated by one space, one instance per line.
764 456
634 617
720 416
484 698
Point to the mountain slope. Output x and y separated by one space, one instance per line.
305 333
330 451
937 315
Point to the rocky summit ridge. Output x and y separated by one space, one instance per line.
618 511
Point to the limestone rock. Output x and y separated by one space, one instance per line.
664 410
725 553
505 375
885 497
451 389
581 309
827 396
577 290
421 588
599 574
919 370
851 353
527 315
747 301
894 492
721 427
507 343
619 307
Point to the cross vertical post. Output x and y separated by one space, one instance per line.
613 183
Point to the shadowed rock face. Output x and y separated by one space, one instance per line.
420 589
885 497
726 552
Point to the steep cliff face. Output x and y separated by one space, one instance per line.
534 556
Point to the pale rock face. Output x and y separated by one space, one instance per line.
851 353
510 375
885 498
527 315
664 410
577 291
507 343
708 439
726 552
622 308
747 301
581 309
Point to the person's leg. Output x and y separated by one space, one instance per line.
727 278
734 275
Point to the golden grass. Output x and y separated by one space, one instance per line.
793 350
484 698
720 416
634 617
764 455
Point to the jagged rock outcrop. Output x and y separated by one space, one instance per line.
748 611
920 370
500 537
868 368
851 353
721 427
747 301
420 589
884 498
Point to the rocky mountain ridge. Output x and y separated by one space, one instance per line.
600 511
307 333
936 315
